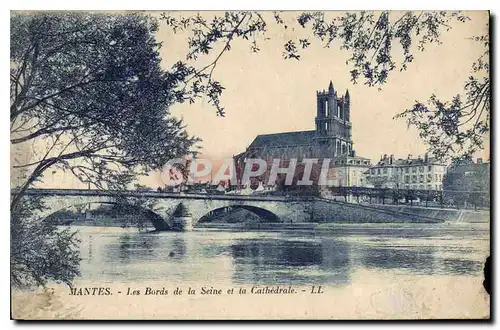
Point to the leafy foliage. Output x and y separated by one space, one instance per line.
39 250
457 128
467 182
89 95
370 37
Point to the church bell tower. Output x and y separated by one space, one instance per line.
333 126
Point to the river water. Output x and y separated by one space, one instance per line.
299 257
366 271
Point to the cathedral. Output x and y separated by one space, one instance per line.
331 139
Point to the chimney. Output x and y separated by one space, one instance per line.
391 159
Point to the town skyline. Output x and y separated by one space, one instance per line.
267 94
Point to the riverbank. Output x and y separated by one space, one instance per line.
332 226
449 215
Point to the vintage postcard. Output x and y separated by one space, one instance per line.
241 165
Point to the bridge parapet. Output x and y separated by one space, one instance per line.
153 194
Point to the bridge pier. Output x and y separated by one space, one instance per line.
182 223
182 219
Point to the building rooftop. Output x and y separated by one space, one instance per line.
410 161
284 139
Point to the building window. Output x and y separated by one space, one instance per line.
378 170
407 179
429 177
385 170
429 168
413 178
406 169
421 168
373 171
421 178
414 169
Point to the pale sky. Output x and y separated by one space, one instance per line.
268 94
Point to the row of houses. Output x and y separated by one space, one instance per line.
416 173
423 173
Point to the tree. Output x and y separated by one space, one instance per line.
39 250
377 42
467 183
88 96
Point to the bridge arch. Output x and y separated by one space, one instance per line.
264 214
157 221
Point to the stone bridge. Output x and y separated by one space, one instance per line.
160 206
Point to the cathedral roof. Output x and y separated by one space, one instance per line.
284 139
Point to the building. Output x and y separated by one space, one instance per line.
422 173
331 139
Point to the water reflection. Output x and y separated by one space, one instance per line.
274 262
419 260
179 248
462 266
274 258
132 247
